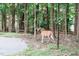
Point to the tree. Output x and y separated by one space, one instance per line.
18 17
3 11
13 16
21 20
47 17
52 19
77 15
66 18
25 18
34 21
58 23
9 19
37 14
76 18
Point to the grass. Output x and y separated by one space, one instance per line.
51 50
8 34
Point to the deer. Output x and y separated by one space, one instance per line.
45 33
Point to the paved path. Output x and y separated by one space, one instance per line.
11 45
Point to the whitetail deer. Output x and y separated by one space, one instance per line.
46 33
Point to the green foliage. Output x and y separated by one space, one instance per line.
43 24
41 10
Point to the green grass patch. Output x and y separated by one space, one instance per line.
9 34
51 50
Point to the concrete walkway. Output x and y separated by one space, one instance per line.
11 45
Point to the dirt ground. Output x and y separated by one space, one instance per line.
69 41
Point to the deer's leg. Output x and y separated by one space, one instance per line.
52 37
42 39
48 38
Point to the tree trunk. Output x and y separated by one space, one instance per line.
52 27
76 18
25 18
37 15
46 16
28 26
67 17
77 21
13 17
1 22
10 24
17 23
21 20
4 21
58 13
66 24
17 20
34 21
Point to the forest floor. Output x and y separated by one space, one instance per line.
68 46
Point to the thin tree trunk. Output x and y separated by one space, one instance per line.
66 22
35 21
51 16
52 19
77 22
4 21
10 24
1 22
13 17
17 23
28 26
76 18
25 18
21 22
77 25
67 17
46 17
58 13
37 15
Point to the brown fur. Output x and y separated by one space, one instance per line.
45 33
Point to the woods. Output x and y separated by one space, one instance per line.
27 18
48 28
